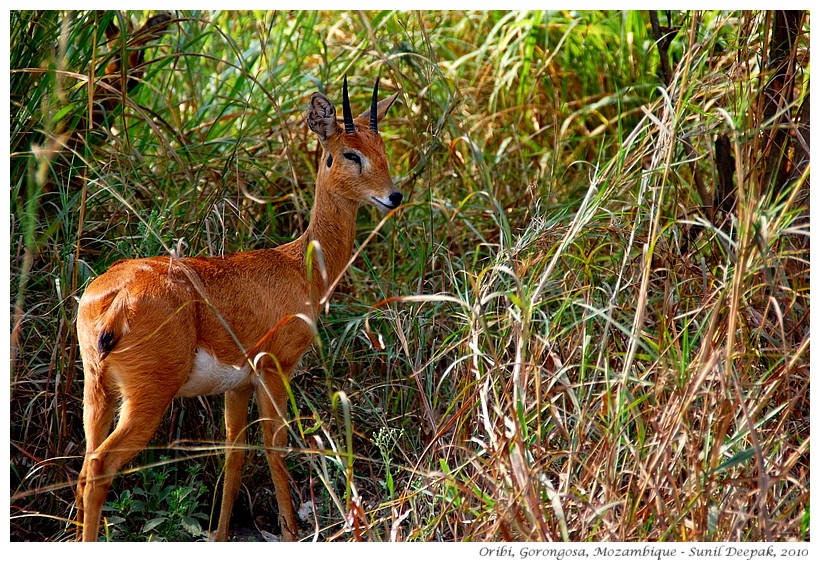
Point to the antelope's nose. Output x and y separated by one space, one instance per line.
395 199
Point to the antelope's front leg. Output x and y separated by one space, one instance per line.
273 403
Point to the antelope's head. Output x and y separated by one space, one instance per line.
354 162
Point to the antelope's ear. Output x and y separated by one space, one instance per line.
381 109
321 117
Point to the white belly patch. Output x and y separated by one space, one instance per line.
209 376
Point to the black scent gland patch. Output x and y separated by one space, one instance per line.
106 343
329 160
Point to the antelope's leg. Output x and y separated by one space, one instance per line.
139 419
236 419
273 403
99 404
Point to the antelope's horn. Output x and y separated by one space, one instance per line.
348 116
374 105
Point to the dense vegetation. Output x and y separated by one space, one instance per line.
589 321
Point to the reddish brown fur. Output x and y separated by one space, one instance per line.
143 322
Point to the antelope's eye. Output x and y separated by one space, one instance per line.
329 160
353 157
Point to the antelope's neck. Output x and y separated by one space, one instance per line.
333 225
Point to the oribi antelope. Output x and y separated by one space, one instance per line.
155 328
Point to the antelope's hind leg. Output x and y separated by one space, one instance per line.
139 418
99 404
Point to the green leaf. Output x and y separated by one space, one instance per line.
739 458
152 524
192 526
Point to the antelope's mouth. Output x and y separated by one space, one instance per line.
393 201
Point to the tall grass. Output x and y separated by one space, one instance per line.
558 337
